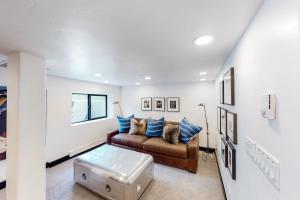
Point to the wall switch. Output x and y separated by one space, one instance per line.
267 163
250 148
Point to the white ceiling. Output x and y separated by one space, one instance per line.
125 40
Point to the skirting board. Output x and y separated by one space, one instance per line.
83 150
77 151
209 150
58 161
221 179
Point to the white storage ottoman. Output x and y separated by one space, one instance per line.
114 173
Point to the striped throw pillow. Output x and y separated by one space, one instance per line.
188 131
155 127
124 123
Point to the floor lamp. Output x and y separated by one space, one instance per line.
118 103
204 155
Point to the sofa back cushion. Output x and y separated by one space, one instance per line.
155 127
124 123
171 133
188 131
138 127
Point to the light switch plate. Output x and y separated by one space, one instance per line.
267 163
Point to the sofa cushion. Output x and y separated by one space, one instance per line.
155 127
188 131
124 123
159 145
171 133
138 127
134 141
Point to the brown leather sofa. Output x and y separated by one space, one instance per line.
183 156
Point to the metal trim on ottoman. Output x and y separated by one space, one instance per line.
114 173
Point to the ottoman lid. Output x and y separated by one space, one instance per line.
117 163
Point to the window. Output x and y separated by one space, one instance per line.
86 107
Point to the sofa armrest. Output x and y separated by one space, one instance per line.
193 148
110 135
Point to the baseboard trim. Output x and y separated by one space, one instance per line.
221 179
68 157
84 148
95 147
58 161
2 185
209 150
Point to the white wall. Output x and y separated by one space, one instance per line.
191 94
26 125
267 59
62 136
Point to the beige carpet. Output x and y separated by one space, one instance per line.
168 184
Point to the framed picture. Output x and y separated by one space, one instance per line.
221 92
231 160
224 151
159 104
231 127
3 118
173 104
146 104
229 87
219 119
223 121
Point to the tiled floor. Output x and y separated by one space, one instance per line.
168 184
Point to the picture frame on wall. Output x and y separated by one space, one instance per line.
221 92
173 104
159 104
228 78
219 119
231 129
231 160
3 120
223 121
224 152
146 104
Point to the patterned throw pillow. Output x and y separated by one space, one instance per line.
124 123
138 127
171 133
188 131
155 127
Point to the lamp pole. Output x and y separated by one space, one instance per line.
204 155
118 103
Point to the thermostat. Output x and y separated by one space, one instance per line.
268 109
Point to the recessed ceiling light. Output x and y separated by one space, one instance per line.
97 75
203 79
137 83
203 73
203 40
106 81
147 77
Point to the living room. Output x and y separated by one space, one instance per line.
207 92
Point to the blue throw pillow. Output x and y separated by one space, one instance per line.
155 128
188 131
124 123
